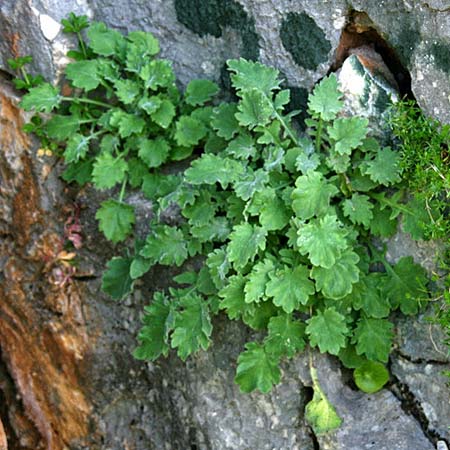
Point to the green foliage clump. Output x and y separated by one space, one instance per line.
283 226
425 164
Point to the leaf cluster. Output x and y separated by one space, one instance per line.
283 225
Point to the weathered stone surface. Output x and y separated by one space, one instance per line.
43 333
3 443
374 421
432 396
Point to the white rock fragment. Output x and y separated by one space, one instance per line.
49 27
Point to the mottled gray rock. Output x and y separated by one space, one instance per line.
421 340
374 421
429 387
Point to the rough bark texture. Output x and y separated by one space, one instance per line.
67 379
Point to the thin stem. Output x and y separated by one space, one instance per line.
86 100
25 75
122 189
82 46
386 201
319 135
286 127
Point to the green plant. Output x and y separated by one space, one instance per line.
424 147
282 226
425 162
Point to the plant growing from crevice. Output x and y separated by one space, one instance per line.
286 227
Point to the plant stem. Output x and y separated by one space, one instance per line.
122 189
286 127
25 75
86 100
386 201
319 135
81 42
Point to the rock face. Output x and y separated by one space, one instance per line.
67 379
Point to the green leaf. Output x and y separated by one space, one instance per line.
210 169
136 172
373 338
257 279
157 73
415 224
224 120
257 369
257 315
80 172
358 209
233 297
145 41
156 185
103 40
62 128
371 376
254 109
312 195
192 328
384 168
76 148
165 245
199 92
242 147
42 98
218 229
202 211
285 337
189 131
325 101
273 214
219 266
368 295
406 285
348 133
327 329
139 267
157 322
282 99
350 358
150 104
323 240
250 75
116 280
116 220
245 241
320 413
74 23
108 171
290 288
83 74
127 91
164 115
153 152
251 182
128 124
382 224
337 281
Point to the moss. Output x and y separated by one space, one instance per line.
211 16
441 52
304 40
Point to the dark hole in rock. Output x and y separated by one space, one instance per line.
360 31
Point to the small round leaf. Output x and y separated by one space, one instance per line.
371 376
